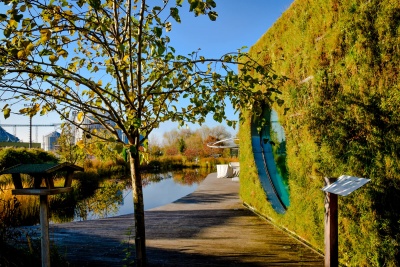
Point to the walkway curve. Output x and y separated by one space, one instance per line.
209 227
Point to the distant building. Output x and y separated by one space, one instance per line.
7 137
90 123
50 141
9 140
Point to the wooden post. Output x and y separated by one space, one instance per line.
331 227
44 226
16 177
37 181
68 179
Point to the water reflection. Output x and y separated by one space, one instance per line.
161 189
278 137
109 197
104 203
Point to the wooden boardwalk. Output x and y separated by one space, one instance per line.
209 227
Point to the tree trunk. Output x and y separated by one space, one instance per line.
140 237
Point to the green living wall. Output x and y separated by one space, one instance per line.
342 116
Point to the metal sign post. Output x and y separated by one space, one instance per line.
331 226
343 187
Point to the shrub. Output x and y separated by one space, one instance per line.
12 156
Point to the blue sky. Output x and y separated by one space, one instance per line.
239 23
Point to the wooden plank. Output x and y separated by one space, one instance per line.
209 227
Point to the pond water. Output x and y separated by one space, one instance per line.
94 199
155 194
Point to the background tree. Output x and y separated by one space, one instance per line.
170 140
194 147
155 147
171 150
112 59
212 135
67 150
219 132
209 151
181 145
193 144
100 148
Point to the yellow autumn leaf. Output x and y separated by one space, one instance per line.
43 39
98 102
53 58
58 29
65 39
46 32
6 112
21 54
13 23
80 144
30 47
36 107
63 53
45 35
79 116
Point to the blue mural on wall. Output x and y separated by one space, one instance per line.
269 148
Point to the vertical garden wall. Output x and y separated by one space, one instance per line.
341 116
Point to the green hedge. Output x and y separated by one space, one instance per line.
342 59
12 156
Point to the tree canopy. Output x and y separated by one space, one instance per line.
112 60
